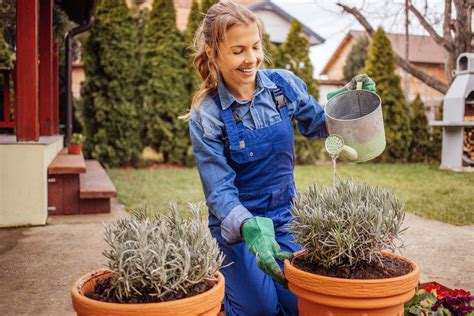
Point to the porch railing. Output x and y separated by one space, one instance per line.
9 109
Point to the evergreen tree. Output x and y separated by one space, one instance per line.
206 4
436 137
293 55
420 145
271 51
356 59
5 54
169 83
380 66
112 125
194 21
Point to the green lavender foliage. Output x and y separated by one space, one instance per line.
348 223
161 255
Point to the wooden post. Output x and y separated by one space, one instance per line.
46 67
27 123
56 88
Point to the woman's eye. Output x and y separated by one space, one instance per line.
237 52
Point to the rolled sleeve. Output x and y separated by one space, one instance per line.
217 179
230 227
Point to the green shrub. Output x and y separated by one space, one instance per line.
161 255
380 66
347 223
356 60
111 113
168 85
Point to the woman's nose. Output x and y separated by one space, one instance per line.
250 57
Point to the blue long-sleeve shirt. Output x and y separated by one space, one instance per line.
207 130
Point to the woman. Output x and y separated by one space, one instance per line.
242 136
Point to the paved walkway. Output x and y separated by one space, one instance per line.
39 264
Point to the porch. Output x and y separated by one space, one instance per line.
38 177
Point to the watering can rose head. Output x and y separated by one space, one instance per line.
354 121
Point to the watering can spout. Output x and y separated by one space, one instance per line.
335 147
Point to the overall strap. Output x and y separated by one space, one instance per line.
284 90
230 123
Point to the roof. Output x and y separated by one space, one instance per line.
271 6
78 10
422 49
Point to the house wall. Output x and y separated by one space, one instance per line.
430 97
276 26
23 179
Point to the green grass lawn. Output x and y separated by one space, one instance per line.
426 190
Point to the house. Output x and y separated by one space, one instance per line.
38 177
277 23
424 54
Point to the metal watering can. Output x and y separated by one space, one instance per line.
355 124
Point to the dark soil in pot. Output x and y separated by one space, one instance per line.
103 284
387 267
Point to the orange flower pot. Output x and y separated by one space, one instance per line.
322 295
207 303
74 149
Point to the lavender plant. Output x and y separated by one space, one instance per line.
346 224
160 255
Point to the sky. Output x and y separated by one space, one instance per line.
326 19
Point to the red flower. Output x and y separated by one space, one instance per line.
459 292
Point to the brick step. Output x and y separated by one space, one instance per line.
95 189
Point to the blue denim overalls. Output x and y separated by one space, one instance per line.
263 160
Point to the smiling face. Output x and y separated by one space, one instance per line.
240 56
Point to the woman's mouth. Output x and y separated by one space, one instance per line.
247 70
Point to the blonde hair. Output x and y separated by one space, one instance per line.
212 31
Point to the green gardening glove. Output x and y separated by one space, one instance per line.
367 84
259 236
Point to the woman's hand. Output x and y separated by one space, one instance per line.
367 84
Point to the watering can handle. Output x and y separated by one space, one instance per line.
359 85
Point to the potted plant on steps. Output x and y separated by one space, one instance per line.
162 265
77 140
344 268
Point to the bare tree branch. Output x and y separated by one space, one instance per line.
362 20
424 77
427 79
447 43
447 25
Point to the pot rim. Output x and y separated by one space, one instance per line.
76 292
414 272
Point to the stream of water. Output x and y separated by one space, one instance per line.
334 158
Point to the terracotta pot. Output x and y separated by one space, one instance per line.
74 149
207 303
322 295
